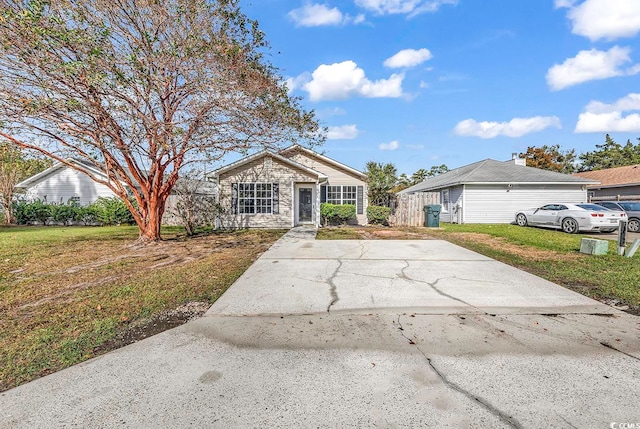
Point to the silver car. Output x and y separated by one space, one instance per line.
572 218
632 208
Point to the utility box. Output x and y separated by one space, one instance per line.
592 246
432 215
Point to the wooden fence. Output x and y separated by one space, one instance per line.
409 208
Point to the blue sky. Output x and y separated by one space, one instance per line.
419 83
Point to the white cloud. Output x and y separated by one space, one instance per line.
294 83
517 127
600 117
603 19
408 58
330 112
343 132
359 19
590 65
564 3
406 7
393 145
317 15
343 80
629 102
423 85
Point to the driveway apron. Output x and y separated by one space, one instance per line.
418 333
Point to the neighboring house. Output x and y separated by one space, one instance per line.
492 191
285 189
618 183
61 183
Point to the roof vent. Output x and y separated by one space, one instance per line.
518 161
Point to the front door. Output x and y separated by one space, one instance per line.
305 205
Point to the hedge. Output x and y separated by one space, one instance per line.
337 213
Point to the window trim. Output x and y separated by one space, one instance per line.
257 201
445 206
353 192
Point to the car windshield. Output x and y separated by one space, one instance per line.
593 207
632 207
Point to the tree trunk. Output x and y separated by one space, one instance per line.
7 210
149 226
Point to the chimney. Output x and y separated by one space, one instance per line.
518 161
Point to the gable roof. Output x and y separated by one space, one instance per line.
30 181
324 158
613 177
490 171
262 154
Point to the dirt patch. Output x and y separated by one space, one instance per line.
69 272
159 322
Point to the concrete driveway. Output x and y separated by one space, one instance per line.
362 334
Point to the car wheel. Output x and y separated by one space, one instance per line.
570 225
633 225
521 219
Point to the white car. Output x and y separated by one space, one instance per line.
572 218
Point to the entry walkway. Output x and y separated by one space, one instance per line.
362 334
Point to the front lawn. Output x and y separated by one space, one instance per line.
67 293
550 254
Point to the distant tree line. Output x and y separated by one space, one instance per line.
607 155
384 182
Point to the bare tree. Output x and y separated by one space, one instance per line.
140 89
194 202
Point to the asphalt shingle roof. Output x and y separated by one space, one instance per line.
628 175
492 171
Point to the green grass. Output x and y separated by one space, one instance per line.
66 291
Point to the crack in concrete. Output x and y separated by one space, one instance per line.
567 422
433 286
509 420
333 290
363 249
609 346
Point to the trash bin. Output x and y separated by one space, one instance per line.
432 215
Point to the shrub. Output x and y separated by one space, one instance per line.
39 211
85 215
345 212
64 213
337 213
20 212
327 213
378 215
111 211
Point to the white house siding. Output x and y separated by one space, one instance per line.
499 203
260 171
66 183
337 177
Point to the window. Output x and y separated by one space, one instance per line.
342 194
334 194
255 198
445 200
